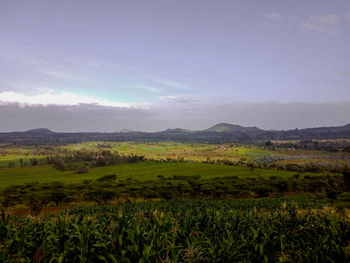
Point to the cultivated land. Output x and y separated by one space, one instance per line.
278 201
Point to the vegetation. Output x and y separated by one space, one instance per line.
271 230
109 187
174 202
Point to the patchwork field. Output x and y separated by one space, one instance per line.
20 165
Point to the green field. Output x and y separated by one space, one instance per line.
173 202
197 231
140 171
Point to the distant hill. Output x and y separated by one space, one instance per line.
177 130
226 127
125 131
219 133
40 131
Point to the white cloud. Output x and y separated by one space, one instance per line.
148 88
171 84
58 98
273 16
326 24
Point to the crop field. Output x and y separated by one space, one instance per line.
174 202
272 230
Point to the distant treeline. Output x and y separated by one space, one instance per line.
81 160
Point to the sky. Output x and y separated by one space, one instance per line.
151 65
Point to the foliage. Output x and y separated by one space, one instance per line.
267 230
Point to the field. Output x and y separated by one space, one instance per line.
138 171
272 230
173 202
200 151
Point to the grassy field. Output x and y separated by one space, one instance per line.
194 153
173 150
140 171
190 151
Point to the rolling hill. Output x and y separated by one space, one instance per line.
219 133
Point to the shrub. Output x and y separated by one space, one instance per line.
346 175
35 204
107 178
296 176
83 169
263 191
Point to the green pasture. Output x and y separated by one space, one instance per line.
159 150
140 171
15 159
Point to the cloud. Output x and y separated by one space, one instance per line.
171 84
185 112
347 11
30 68
273 16
148 88
326 24
54 98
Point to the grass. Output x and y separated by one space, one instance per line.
162 150
140 171
15 158
190 151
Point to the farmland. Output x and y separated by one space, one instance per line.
173 202
272 230
137 171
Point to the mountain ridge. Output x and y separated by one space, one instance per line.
219 133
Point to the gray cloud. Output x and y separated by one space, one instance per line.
273 16
197 115
327 23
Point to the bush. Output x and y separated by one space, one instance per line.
346 175
83 169
296 176
107 178
58 196
35 204
263 191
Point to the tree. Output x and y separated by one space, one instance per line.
106 196
83 169
107 178
35 204
332 194
34 161
100 196
346 174
58 196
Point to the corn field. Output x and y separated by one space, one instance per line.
266 230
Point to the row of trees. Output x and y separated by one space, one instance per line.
107 188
